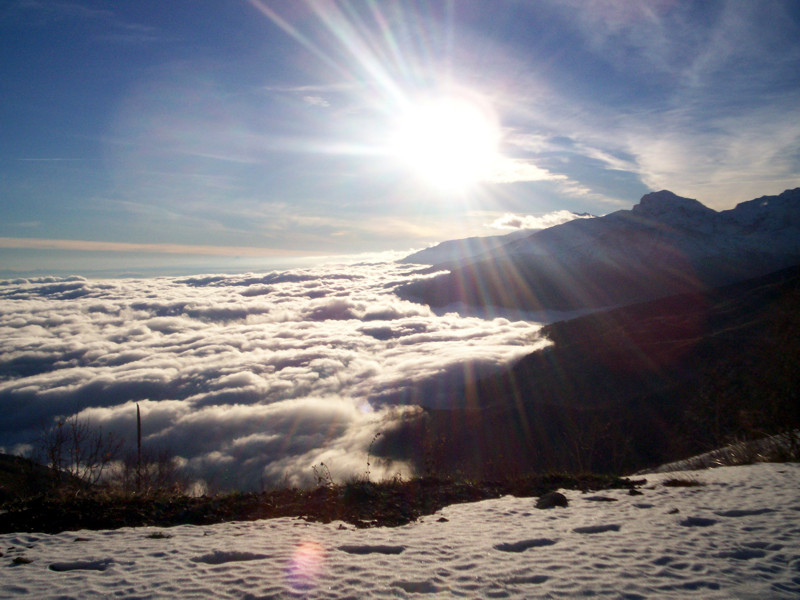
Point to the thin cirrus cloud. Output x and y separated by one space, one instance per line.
116 28
718 115
515 170
736 158
249 378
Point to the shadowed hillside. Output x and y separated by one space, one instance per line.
630 388
20 478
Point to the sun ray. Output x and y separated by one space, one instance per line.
424 123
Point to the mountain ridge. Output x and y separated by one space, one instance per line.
629 388
664 245
454 251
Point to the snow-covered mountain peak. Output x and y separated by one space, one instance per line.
665 245
658 205
768 213
676 212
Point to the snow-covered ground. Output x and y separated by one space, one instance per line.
735 536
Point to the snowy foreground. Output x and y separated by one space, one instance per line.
736 536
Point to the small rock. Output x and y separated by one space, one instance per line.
635 492
674 511
551 500
442 520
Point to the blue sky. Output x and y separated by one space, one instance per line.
266 131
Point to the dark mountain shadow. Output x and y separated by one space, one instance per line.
23 478
628 388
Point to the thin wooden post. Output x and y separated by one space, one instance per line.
138 449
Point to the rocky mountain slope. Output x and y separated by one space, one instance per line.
454 251
664 245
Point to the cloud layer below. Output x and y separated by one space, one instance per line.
250 378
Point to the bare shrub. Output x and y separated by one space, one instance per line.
682 482
322 475
152 472
77 452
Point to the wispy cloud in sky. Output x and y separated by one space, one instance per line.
721 120
47 159
515 170
117 29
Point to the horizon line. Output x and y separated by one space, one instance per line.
157 248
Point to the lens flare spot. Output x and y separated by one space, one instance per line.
305 566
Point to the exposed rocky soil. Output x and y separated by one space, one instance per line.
363 504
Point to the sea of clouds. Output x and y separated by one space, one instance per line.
250 379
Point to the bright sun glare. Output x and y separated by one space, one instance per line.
448 142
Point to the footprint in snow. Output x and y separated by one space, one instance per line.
697 522
742 554
527 579
379 549
524 545
219 557
416 587
82 565
597 528
743 513
764 546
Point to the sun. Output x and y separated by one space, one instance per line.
450 143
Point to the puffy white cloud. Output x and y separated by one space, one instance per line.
316 101
250 378
551 219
